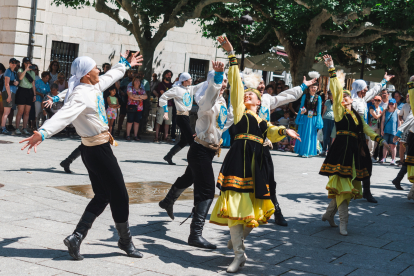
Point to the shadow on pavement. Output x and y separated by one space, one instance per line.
48 170
150 162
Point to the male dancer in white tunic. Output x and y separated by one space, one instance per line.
84 107
213 120
361 96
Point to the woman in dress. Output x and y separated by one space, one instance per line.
244 200
135 106
54 69
309 120
348 161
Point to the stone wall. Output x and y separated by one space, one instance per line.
97 35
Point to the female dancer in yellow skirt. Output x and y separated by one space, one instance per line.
348 161
244 200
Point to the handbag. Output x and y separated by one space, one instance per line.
28 77
132 108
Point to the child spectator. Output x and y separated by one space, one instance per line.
113 106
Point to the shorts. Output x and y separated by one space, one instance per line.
404 136
24 96
134 117
160 115
388 138
111 113
4 96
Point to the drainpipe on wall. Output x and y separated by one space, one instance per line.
32 30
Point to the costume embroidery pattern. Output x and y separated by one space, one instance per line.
187 99
100 108
246 136
347 132
221 119
264 113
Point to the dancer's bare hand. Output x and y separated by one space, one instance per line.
396 139
303 111
32 142
224 42
309 83
388 77
125 54
385 144
49 102
136 59
293 134
165 117
218 66
328 61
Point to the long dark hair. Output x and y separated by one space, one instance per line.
51 64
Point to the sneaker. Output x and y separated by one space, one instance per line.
11 128
373 160
5 131
173 140
392 163
18 132
382 161
25 131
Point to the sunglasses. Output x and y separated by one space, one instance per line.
377 100
390 104
279 88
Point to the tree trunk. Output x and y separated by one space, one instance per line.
300 65
147 52
400 82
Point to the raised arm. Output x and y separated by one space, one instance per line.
208 100
377 88
336 90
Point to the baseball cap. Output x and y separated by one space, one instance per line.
377 98
26 59
13 60
392 101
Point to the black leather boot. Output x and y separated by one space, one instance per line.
197 224
73 242
72 157
367 191
279 219
125 240
173 151
400 176
168 202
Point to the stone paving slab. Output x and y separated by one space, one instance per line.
35 217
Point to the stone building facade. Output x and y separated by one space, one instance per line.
64 33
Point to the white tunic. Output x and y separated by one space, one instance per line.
408 125
271 102
213 116
360 104
85 107
183 97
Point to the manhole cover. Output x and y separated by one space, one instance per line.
139 192
5 142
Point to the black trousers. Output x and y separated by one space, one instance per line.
174 122
107 182
200 172
187 133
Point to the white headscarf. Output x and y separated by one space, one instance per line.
80 67
357 86
200 93
183 77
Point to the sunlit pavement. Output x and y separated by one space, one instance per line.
35 217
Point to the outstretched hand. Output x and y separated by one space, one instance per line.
225 43
309 83
293 134
32 142
165 117
396 139
218 66
328 61
49 102
136 59
388 77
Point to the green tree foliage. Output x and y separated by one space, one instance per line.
307 28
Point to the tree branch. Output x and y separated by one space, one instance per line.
261 40
357 31
300 2
178 8
100 6
406 37
225 19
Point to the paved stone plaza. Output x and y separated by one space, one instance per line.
35 217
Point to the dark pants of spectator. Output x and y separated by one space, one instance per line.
174 122
327 129
145 116
107 182
200 172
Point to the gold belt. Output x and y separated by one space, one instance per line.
251 137
99 139
186 113
347 132
211 146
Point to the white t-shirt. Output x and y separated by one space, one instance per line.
405 110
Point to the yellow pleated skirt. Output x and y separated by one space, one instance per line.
410 173
233 208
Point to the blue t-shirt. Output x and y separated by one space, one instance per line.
391 122
43 88
329 111
400 105
12 76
